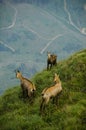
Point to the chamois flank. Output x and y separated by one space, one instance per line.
28 88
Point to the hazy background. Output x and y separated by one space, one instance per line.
30 28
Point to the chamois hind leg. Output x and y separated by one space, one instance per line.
33 94
30 96
24 93
42 106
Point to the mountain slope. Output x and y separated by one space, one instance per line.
17 114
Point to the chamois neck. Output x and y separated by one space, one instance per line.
21 78
49 55
58 81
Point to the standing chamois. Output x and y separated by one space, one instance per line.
51 60
51 92
28 88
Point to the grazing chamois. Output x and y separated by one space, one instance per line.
28 88
51 60
51 92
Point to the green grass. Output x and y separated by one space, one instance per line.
18 114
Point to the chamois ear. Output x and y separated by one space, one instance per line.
55 74
16 71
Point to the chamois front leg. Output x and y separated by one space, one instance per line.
57 98
51 65
53 100
47 65
24 91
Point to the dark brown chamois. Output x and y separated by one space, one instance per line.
51 60
51 92
28 88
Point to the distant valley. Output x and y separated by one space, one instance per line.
30 28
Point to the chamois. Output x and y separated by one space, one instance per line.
51 92
51 60
28 88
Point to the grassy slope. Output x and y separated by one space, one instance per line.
15 114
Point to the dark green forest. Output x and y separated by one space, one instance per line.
17 113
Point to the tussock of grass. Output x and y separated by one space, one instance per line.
18 114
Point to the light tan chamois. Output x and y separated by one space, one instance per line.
28 88
51 60
51 92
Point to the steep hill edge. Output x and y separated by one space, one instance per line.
16 114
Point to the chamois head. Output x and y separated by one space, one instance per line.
18 74
48 54
56 78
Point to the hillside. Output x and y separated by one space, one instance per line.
19 114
